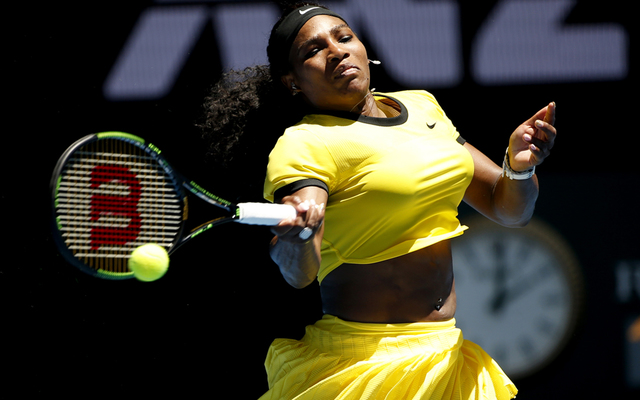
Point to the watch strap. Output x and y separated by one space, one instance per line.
515 175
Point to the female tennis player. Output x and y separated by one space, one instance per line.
376 179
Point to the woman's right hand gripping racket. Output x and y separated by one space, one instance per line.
112 192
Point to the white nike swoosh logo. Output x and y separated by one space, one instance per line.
307 10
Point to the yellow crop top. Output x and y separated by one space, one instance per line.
394 184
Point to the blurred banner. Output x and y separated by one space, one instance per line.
419 42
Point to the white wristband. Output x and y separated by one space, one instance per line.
515 175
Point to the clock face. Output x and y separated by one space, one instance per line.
518 293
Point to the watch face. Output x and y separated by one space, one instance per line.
518 293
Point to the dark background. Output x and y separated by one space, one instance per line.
206 325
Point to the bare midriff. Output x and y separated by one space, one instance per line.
418 286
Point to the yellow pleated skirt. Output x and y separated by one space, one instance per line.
339 359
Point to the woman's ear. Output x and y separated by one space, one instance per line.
289 83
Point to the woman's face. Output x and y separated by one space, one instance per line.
329 64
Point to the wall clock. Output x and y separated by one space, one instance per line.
519 292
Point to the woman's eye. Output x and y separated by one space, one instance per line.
311 53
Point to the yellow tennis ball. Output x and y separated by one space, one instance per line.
149 262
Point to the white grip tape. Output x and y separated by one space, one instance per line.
264 213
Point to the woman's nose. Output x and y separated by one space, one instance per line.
337 52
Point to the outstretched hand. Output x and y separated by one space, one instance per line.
532 141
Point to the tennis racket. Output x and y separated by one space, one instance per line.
112 192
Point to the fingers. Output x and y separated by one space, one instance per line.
545 130
305 225
532 142
542 140
550 115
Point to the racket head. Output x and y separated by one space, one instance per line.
110 193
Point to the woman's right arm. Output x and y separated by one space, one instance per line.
298 259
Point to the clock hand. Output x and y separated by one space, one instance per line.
499 279
523 285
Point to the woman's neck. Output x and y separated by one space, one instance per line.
369 106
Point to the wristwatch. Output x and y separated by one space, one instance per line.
515 175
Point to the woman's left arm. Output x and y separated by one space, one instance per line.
510 202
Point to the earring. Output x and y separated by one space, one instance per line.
376 62
295 89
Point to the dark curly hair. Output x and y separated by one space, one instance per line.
246 111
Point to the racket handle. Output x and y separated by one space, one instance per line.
264 213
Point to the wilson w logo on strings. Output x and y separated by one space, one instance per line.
116 201
114 206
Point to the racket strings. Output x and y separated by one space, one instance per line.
113 197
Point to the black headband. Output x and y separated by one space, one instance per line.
291 24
